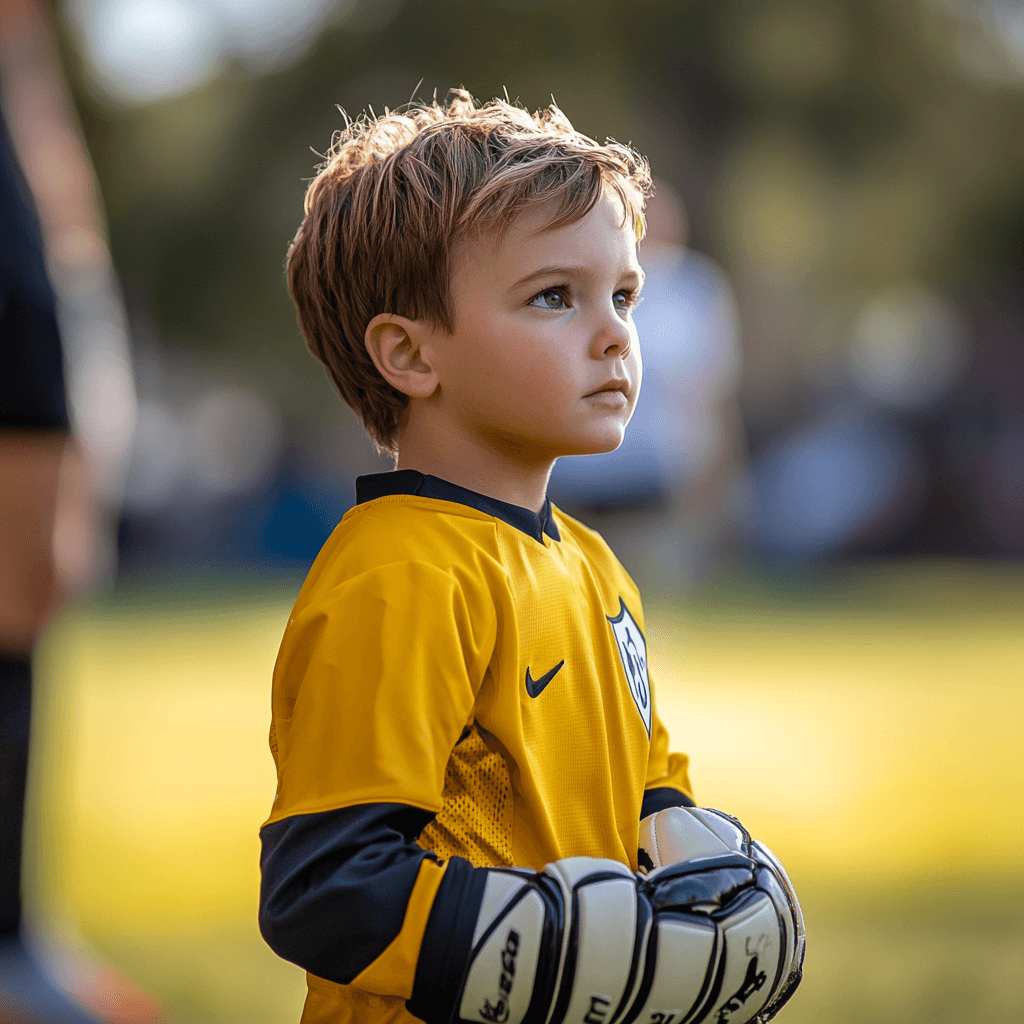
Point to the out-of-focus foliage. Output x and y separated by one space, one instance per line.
856 167
819 146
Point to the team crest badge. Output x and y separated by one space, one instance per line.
633 651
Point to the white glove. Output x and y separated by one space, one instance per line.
684 835
717 938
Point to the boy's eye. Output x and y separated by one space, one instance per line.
625 300
553 298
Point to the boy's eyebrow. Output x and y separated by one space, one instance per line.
570 271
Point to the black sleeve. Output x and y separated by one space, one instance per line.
31 360
335 886
661 797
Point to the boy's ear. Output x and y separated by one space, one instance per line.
395 344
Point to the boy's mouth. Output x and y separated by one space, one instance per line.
611 386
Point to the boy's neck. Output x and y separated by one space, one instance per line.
476 466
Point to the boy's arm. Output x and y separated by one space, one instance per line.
345 894
375 681
668 780
584 939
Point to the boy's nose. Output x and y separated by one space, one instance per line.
613 337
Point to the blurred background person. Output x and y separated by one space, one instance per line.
32 447
60 470
661 499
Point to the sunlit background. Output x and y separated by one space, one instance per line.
822 492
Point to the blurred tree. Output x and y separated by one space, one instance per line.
838 137
825 150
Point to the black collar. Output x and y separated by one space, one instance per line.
411 481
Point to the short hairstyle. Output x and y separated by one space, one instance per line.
395 195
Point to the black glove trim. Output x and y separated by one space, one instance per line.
447 943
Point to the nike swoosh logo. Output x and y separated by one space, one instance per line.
534 686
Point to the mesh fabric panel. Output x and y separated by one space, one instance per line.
475 820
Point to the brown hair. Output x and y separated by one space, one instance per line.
394 196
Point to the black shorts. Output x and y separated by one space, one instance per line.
32 394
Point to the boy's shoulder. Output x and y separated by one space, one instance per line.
403 552
406 523
602 561
592 545
584 536
406 528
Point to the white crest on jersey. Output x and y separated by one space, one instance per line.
633 651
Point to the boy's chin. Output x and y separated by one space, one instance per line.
598 445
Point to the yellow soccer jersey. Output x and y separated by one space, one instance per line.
481 670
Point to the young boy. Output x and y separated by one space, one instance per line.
464 729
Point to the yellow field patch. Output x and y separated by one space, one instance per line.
164 717
867 747
864 747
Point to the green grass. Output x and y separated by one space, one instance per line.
867 725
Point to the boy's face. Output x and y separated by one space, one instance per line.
544 359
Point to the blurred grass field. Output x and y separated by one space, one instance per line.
869 726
